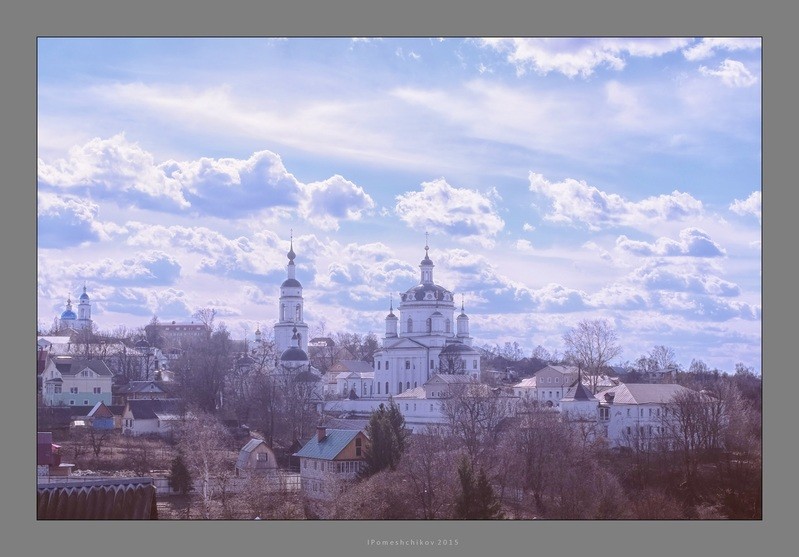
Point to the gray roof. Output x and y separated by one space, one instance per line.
356 366
153 409
644 393
111 499
330 446
70 365
417 392
450 378
246 451
294 354
578 392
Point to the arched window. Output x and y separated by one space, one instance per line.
282 312
447 326
410 325
297 313
399 387
386 387
378 388
408 385
414 384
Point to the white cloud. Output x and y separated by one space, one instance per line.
749 206
143 268
732 73
576 202
334 199
116 168
707 47
578 57
527 227
455 212
693 242
123 172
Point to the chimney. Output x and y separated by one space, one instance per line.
320 433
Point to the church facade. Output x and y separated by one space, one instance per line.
425 339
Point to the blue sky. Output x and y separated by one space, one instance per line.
559 180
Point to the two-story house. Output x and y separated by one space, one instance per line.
329 460
72 381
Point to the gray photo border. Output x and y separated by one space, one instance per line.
24 535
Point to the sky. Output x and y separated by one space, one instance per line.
555 180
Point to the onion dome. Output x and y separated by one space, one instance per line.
291 282
84 297
294 354
291 255
68 313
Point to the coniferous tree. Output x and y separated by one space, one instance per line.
180 478
477 500
387 439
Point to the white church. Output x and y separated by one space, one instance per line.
425 342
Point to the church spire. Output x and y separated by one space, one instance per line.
291 255
427 264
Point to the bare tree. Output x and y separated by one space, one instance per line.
592 345
473 412
204 441
663 357
202 369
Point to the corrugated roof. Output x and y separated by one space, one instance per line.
125 499
356 366
526 383
330 446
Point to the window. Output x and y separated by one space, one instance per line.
642 412
86 402
447 326
58 389
72 402
410 325
431 407
399 387
658 411
628 430
474 364
97 390
357 446
407 384
263 457
429 325
407 364
378 388
628 412
414 384
73 390
406 406
386 387
650 412
432 363
378 364
604 413
386 365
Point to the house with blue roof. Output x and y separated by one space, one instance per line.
329 460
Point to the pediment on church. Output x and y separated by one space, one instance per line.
405 343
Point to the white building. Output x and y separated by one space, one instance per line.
72 381
636 413
424 340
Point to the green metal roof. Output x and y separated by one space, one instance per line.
328 448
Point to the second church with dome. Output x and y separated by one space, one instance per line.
426 339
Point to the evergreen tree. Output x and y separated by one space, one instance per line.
387 439
179 476
476 501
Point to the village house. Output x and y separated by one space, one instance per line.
71 381
330 459
159 417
